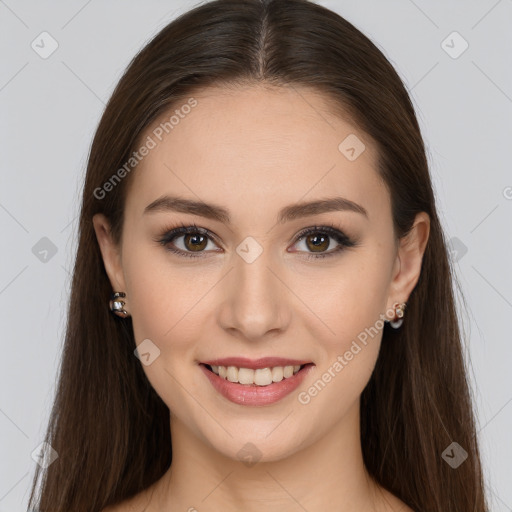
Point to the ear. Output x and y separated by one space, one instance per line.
110 252
408 260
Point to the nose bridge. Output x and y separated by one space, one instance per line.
254 304
252 271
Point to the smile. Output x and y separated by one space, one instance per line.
255 386
259 377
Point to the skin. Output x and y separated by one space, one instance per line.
236 149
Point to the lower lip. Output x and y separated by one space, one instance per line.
245 394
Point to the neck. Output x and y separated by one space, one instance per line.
328 474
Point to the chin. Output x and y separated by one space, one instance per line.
261 443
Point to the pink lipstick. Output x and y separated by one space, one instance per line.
268 370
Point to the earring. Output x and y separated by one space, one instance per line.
117 306
399 312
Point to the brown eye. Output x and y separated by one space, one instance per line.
195 242
317 243
187 240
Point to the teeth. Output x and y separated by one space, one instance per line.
263 377
245 376
260 377
232 374
277 374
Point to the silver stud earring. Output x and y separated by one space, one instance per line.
399 313
117 305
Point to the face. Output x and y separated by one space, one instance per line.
256 276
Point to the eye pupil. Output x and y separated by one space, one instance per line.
318 242
196 246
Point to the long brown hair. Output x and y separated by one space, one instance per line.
108 425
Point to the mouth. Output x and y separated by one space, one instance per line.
252 383
255 377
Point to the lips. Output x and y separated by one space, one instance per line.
254 394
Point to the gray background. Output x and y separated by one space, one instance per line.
50 108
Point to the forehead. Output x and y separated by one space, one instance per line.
255 148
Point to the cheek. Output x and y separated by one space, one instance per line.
162 293
164 300
169 303
351 308
347 298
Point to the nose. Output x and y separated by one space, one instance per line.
255 305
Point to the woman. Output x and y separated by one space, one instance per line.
262 314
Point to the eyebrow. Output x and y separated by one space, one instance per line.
286 214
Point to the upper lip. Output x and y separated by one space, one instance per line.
255 364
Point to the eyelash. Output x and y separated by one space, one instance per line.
170 234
